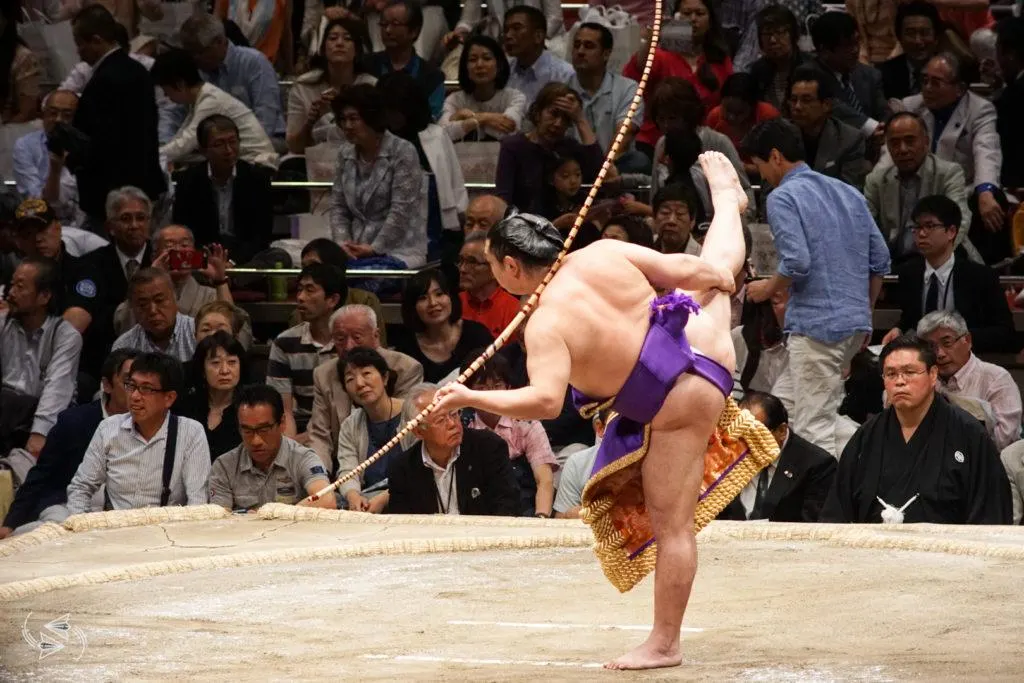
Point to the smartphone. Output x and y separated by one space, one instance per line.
186 259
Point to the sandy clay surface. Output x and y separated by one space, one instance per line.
761 611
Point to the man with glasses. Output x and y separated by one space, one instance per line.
128 221
963 374
267 467
962 128
454 471
483 299
675 215
148 457
942 280
921 459
400 24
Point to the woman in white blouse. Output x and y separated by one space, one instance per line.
338 64
483 108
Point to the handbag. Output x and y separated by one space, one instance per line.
53 45
626 33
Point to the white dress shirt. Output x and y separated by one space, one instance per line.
749 493
945 275
993 385
444 481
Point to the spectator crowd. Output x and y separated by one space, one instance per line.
152 196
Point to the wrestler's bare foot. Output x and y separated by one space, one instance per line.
647 656
722 178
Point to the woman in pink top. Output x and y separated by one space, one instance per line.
705 64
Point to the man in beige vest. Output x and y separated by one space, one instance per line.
351 326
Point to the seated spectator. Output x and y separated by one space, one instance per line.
533 462
454 471
40 173
379 202
243 72
762 359
38 358
921 459
174 247
911 171
376 419
217 316
963 374
628 228
962 128
677 109
216 373
43 493
1013 460
740 111
564 191
577 470
441 339
176 73
918 28
131 453
266 28
227 200
339 62
675 213
483 211
794 487
267 466
352 325
526 159
832 147
705 66
19 98
532 66
323 250
129 212
482 298
606 96
778 35
856 87
682 154
490 23
162 328
942 281
408 116
400 24
297 351
484 107
1010 103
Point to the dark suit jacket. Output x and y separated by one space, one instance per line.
1009 112
483 468
105 263
896 78
867 84
803 477
47 482
841 153
977 296
117 111
195 205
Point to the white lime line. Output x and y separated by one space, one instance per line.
433 659
597 627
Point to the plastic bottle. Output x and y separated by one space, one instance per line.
278 285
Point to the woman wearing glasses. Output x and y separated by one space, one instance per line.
216 372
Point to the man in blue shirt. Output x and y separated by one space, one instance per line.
532 65
38 172
243 72
832 258
400 24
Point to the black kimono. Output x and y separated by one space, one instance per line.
950 463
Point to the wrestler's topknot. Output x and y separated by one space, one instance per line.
531 239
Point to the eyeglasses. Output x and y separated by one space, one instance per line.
947 342
470 263
262 430
936 82
385 24
439 419
905 373
144 389
927 227
136 217
775 33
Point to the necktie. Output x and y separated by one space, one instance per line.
131 268
762 489
931 300
852 96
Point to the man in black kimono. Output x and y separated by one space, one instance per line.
921 459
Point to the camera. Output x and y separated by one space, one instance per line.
66 138
186 259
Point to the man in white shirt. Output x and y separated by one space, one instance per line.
175 72
964 374
148 457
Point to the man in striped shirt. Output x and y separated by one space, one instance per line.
127 452
297 351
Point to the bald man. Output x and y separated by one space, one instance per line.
38 172
484 211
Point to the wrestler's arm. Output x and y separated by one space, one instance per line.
682 271
547 362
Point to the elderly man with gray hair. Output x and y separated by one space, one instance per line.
351 326
963 375
243 72
161 328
